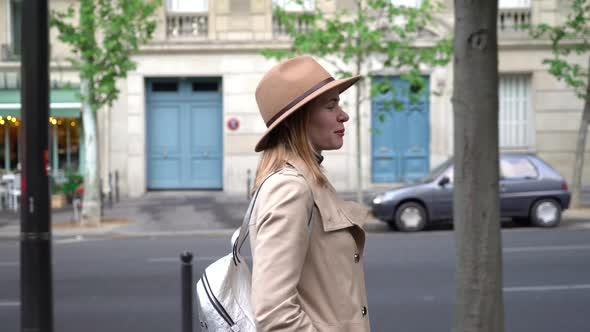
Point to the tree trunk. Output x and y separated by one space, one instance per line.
476 204
580 146
359 162
91 201
359 174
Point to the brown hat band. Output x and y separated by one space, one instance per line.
298 99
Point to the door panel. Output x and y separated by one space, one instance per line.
385 165
205 145
401 143
164 146
416 153
184 133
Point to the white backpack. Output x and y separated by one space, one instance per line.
223 292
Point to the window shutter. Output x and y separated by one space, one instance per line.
515 111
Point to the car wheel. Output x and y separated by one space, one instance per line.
546 213
410 217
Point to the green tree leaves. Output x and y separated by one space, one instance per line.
103 40
570 37
377 30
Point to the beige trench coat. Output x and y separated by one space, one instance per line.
302 281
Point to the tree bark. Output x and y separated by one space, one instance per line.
359 164
359 174
580 146
91 199
476 204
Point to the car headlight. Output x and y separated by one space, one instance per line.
378 199
385 197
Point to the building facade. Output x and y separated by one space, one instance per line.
186 118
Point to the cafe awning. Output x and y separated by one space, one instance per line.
65 103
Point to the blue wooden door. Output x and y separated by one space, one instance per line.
184 134
400 143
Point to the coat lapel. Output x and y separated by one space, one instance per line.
335 213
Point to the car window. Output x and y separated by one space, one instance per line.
438 170
517 167
450 173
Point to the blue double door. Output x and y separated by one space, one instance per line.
400 145
184 134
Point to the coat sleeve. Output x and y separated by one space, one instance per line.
279 249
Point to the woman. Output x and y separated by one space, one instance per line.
307 244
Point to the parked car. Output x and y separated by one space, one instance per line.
531 191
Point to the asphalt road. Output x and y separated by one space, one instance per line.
134 284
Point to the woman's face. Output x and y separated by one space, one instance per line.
326 128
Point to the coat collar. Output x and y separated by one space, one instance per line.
336 213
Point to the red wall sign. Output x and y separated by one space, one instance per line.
233 124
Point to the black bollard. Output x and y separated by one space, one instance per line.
248 184
186 270
110 190
117 186
101 197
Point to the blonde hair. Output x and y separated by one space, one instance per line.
289 140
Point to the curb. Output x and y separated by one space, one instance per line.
118 232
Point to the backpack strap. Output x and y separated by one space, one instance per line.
244 230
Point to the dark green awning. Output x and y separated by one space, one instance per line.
65 103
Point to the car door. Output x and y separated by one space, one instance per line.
518 176
442 197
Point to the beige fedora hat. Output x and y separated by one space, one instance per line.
288 86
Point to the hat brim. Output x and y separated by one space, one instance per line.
341 85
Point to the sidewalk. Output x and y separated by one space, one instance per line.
156 213
183 213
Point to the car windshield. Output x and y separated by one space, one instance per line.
437 171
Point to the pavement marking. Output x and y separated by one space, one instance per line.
9 304
546 288
78 239
177 259
547 248
8 264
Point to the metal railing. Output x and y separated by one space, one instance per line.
280 28
8 52
513 21
183 25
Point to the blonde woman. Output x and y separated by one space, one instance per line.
307 244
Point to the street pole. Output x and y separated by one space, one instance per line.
35 241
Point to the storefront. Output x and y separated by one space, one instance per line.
65 139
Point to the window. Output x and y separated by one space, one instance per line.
514 4
205 86
165 87
515 111
514 167
15 25
293 6
298 10
187 6
407 3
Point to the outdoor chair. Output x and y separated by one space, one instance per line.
15 192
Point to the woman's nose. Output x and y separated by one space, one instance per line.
343 117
